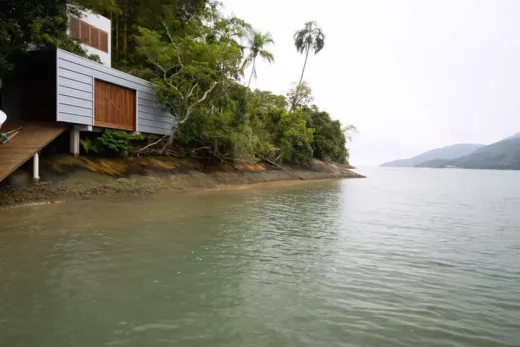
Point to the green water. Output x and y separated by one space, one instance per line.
403 258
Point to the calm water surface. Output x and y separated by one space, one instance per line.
407 257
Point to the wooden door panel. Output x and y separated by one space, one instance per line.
115 106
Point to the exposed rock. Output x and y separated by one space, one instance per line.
68 177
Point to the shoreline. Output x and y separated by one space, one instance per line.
68 178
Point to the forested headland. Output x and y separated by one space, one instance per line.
201 63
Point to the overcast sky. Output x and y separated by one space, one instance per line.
411 75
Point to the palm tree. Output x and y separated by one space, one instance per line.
310 37
256 43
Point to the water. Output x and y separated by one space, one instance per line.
403 258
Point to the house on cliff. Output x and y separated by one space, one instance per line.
53 92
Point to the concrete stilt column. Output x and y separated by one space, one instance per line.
74 141
36 166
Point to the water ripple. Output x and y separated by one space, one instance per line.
400 259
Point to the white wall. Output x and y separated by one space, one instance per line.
104 24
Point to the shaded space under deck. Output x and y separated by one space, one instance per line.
29 141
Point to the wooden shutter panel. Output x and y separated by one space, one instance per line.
94 37
88 34
103 44
85 32
74 28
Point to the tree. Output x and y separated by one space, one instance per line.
187 69
310 37
349 130
194 58
134 14
260 101
300 96
39 24
330 138
293 137
30 23
256 43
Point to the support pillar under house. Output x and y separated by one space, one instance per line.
74 141
36 166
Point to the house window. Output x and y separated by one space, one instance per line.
89 35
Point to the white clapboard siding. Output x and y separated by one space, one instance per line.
75 79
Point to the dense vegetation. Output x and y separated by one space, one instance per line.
110 142
196 57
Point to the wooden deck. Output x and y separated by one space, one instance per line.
30 140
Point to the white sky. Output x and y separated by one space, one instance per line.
411 75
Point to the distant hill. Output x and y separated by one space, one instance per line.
437 163
445 153
502 155
515 136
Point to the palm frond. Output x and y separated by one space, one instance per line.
311 36
267 56
268 39
300 40
256 43
319 41
247 61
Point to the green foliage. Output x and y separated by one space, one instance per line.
23 23
131 15
114 142
43 24
89 146
193 70
267 130
260 102
282 135
294 137
195 57
329 141
300 96
256 43
111 142
224 130
311 37
40 24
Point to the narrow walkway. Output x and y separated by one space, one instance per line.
30 140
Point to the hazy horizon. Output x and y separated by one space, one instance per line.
410 75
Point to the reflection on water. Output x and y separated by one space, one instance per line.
404 258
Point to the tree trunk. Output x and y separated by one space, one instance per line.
117 40
125 31
250 78
111 37
252 72
304 65
293 102
171 140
